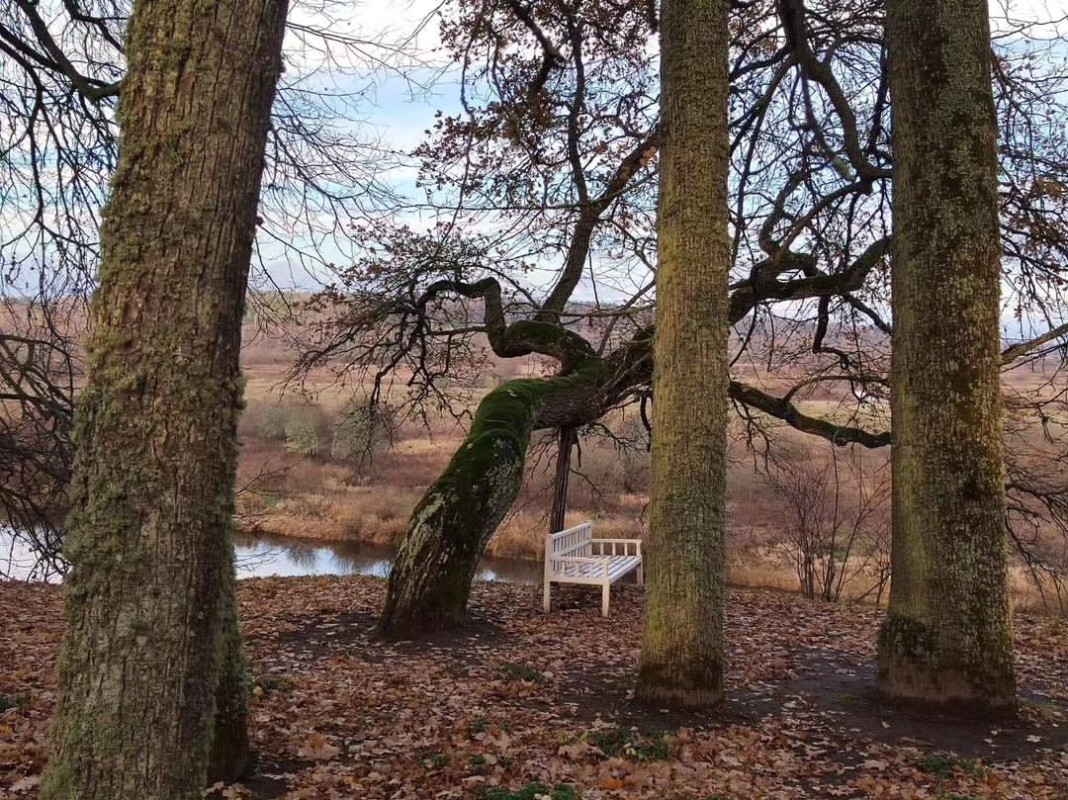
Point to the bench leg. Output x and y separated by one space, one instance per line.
641 574
605 594
546 601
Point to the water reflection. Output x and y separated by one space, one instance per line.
263 556
19 561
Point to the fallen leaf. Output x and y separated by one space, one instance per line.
318 748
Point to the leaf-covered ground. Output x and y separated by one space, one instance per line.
523 705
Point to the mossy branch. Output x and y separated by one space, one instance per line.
521 338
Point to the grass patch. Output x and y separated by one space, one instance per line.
436 761
12 702
521 672
630 743
942 765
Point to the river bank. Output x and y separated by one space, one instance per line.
264 555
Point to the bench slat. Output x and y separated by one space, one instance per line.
618 566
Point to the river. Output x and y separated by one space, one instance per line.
264 556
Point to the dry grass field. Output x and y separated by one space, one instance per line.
297 481
317 464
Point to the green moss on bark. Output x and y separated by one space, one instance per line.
431 578
690 684
683 645
915 668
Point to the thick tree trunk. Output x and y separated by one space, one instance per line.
947 637
151 656
682 643
430 582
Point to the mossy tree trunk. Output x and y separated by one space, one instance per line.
431 576
430 581
229 740
151 662
682 642
947 638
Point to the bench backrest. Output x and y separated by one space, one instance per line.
571 542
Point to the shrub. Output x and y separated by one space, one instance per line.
637 471
835 521
272 423
301 426
361 430
633 443
305 430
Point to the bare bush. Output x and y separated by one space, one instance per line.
360 430
834 522
305 428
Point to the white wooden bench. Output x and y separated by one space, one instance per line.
574 556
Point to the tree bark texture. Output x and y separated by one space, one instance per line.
152 651
947 638
430 580
682 644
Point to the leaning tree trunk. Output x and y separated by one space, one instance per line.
947 636
447 534
431 576
151 656
682 643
